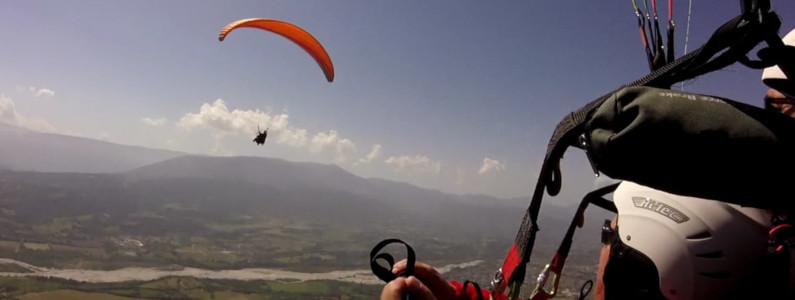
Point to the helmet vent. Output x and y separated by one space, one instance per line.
700 236
716 275
715 254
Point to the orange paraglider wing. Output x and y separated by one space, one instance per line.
291 32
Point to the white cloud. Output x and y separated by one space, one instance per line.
217 117
41 93
8 111
10 115
44 93
416 163
374 154
154 122
343 148
491 165
323 140
292 137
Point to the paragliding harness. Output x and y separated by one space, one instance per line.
261 136
612 137
644 126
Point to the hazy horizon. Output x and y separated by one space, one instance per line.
461 98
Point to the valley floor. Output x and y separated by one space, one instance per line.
147 274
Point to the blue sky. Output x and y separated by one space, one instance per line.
460 96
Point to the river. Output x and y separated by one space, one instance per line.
146 274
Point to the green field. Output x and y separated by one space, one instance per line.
37 246
182 288
71 295
106 222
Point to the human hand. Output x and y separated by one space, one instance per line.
400 287
427 277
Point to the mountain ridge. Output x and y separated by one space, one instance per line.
27 150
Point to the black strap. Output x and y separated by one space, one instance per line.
554 269
386 274
477 289
594 197
729 44
585 289
559 260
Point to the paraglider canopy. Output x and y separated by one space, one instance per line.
292 32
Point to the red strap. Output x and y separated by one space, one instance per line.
472 294
557 263
512 261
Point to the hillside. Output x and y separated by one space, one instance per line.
27 150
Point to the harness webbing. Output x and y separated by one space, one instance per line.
729 44
555 268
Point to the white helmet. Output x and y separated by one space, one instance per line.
775 78
696 248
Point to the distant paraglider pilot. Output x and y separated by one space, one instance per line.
261 136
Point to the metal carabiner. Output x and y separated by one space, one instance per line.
541 292
496 282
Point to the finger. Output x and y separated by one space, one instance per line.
430 277
418 290
394 290
399 267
